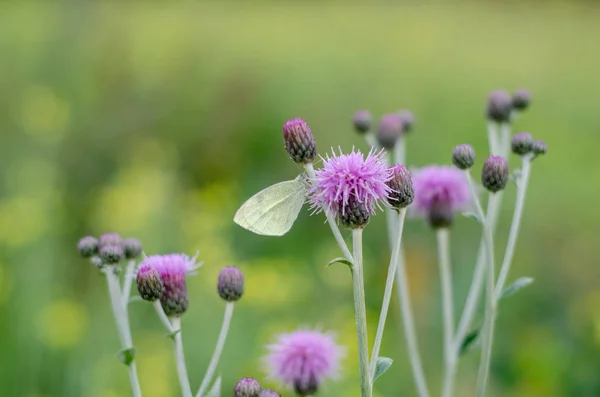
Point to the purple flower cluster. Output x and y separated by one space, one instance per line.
350 177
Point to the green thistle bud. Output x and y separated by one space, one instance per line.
299 141
402 192
111 254
355 215
88 246
133 248
463 156
149 283
521 143
494 175
230 284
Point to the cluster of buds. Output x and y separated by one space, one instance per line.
502 105
250 387
109 249
524 144
391 126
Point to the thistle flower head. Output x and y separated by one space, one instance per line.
350 177
111 253
110 239
230 284
299 141
440 191
362 121
390 130
149 283
133 248
463 156
521 143
303 359
402 191
499 106
247 387
268 393
539 147
172 269
495 174
88 246
521 99
407 118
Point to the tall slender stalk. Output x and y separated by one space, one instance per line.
389 285
490 313
360 314
122 321
310 171
214 361
182 374
447 308
522 183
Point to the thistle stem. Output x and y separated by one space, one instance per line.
492 130
400 151
515 225
184 381
122 321
163 316
310 171
447 308
127 280
214 361
490 313
389 285
360 314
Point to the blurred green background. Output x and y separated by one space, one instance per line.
157 120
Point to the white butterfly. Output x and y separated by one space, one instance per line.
272 211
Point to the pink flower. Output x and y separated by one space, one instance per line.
303 359
350 177
440 191
172 269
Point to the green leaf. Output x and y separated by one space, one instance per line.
517 285
215 391
382 365
470 339
340 260
126 356
472 215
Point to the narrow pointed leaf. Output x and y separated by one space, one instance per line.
472 215
340 260
469 340
382 365
517 285
215 391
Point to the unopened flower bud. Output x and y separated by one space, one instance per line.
521 143
499 106
463 156
268 393
111 253
133 248
97 262
247 387
299 141
88 246
402 193
362 121
521 99
407 118
539 147
390 130
355 215
149 283
230 284
494 175
110 239
440 214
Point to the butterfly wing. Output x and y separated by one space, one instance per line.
273 211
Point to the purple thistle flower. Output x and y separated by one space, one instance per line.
440 191
350 176
172 269
303 359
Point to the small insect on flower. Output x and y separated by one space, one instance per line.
303 359
440 191
351 178
172 269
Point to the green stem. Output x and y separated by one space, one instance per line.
389 285
515 225
214 361
114 291
360 314
447 308
184 380
127 281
